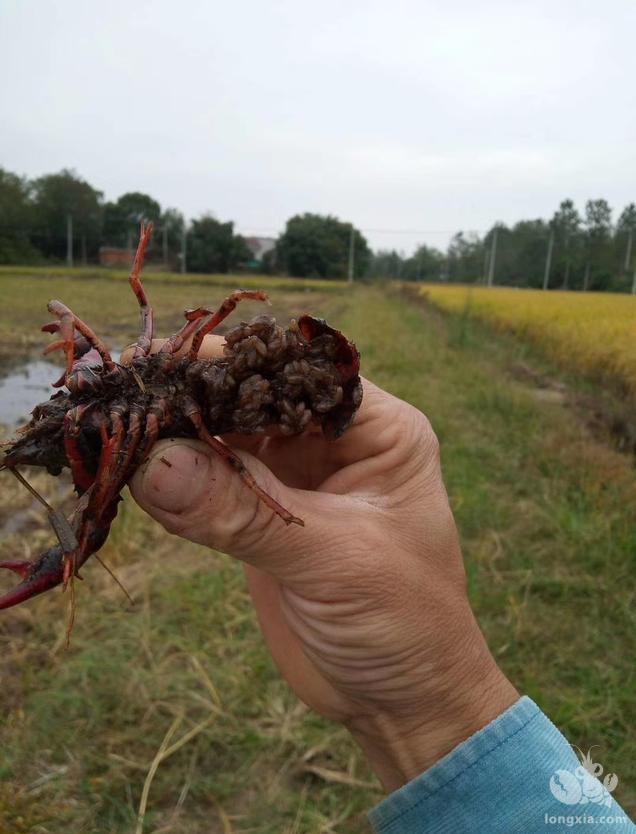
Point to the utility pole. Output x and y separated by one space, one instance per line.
634 282
84 256
164 240
493 255
183 249
628 253
548 262
352 245
69 240
484 277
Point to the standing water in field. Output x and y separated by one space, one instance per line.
24 385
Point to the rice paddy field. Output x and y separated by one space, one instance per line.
591 333
169 716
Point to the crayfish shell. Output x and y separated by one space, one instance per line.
347 362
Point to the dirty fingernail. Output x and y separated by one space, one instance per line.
175 477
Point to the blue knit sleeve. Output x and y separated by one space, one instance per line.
516 776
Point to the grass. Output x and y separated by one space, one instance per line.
155 275
546 517
104 300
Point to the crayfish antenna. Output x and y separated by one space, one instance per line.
113 576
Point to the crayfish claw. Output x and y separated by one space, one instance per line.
21 568
51 327
37 577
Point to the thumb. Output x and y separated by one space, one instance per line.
197 495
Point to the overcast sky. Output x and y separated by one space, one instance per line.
411 119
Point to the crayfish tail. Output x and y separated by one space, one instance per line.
37 577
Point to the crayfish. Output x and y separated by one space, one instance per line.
105 418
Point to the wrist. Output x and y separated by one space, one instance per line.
401 746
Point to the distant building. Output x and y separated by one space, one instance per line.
259 247
115 256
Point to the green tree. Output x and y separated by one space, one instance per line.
566 224
504 254
426 264
386 265
122 218
137 206
269 263
171 224
114 226
56 196
627 219
16 220
213 246
465 257
528 244
317 246
626 237
598 266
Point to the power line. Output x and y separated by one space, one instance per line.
270 229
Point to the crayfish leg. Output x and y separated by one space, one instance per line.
217 316
193 326
237 464
66 315
142 346
66 343
91 520
82 478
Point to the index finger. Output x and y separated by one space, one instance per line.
211 348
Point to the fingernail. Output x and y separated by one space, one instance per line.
175 478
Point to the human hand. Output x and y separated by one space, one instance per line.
364 609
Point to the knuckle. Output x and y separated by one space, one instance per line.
417 432
421 422
176 525
237 521
254 527
431 441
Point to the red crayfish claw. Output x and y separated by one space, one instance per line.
38 576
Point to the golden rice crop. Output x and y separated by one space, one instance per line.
593 333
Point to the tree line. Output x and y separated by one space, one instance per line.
40 219
570 251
